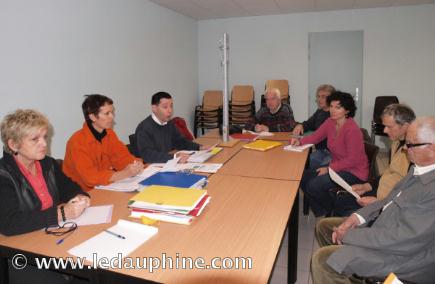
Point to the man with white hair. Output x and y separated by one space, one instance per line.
275 116
396 234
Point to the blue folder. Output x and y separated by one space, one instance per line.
177 179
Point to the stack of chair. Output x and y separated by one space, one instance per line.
209 114
282 86
241 108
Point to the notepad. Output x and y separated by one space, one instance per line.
168 197
109 246
301 148
262 145
131 183
202 155
93 215
177 179
341 182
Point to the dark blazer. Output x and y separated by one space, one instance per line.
20 207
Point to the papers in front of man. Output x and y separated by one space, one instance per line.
93 215
301 148
262 133
202 155
169 204
120 239
131 183
210 168
341 182
262 145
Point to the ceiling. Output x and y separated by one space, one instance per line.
215 9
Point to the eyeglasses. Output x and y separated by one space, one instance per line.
61 230
412 145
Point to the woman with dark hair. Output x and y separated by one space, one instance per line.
348 158
34 192
94 154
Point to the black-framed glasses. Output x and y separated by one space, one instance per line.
61 230
412 145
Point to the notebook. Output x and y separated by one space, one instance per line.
202 155
177 179
110 246
262 145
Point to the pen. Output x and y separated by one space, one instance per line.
58 242
115 234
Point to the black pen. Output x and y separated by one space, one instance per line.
115 234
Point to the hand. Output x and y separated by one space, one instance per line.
298 130
366 200
81 198
134 168
261 127
295 142
360 189
183 157
207 147
75 207
322 171
339 232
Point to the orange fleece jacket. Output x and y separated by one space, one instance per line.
89 162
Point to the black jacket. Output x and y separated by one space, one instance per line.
20 207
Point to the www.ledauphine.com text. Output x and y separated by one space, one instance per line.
19 261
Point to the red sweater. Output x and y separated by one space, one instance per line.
347 149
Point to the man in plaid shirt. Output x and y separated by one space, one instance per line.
275 117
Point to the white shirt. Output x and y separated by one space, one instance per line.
156 120
418 171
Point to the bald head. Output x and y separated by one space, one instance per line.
421 131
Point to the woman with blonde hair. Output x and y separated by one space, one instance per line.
34 192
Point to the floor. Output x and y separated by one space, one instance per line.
306 241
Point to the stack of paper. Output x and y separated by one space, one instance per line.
293 148
131 183
196 167
123 238
262 145
170 204
202 155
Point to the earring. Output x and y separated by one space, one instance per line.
15 153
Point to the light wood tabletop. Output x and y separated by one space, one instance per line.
277 136
274 164
225 154
246 217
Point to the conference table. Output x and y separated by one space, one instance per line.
253 201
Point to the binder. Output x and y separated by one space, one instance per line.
176 179
262 145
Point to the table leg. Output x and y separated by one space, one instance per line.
293 227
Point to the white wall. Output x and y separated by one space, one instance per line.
52 52
399 54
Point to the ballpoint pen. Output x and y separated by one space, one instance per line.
115 234
58 242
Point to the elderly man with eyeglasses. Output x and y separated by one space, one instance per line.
396 234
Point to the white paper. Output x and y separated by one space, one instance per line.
196 167
109 246
341 182
262 133
293 148
94 215
131 183
199 156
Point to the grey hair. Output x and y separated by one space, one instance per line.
426 129
400 112
276 91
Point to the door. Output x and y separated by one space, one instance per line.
336 58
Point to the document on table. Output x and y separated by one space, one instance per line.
197 167
293 148
121 239
93 215
262 133
131 183
341 182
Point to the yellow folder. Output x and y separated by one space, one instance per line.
168 197
262 145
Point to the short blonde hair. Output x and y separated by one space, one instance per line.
17 125
274 90
325 87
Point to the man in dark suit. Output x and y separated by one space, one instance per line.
396 234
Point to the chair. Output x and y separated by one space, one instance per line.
380 103
282 86
241 108
181 125
209 114
132 147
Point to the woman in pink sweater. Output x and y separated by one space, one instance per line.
345 142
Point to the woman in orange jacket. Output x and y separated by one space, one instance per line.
94 154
